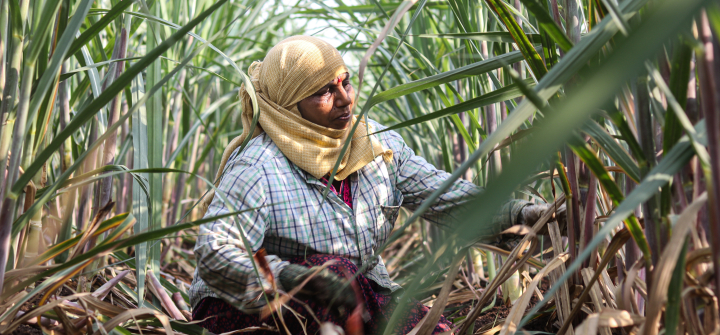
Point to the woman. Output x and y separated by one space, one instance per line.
306 102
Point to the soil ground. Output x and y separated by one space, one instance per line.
497 314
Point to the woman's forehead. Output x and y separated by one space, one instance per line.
340 78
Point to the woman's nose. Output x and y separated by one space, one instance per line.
342 97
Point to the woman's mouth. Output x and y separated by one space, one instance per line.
345 117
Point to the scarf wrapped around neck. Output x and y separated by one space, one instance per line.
293 70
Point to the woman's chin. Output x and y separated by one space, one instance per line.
340 123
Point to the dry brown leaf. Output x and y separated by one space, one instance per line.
103 291
39 311
91 228
517 230
456 298
508 268
275 304
614 318
164 298
397 257
12 301
491 331
249 330
428 323
595 294
518 309
103 307
135 314
562 297
534 262
590 325
666 264
617 242
608 288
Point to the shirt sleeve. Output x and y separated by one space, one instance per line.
223 262
417 180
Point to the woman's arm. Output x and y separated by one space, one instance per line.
223 262
417 180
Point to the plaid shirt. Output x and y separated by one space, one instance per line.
291 219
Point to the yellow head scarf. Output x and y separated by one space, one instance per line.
292 70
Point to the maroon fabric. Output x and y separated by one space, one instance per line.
226 318
342 189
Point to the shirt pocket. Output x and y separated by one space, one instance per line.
386 222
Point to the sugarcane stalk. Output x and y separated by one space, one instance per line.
572 20
573 210
67 200
122 188
18 135
646 138
477 263
88 165
3 37
589 219
512 288
105 185
12 77
708 66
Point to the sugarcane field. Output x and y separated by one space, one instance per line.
383 167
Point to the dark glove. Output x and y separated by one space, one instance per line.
325 288
530 214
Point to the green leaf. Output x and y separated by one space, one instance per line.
96 28
613 150
679 77
546 87
445 77
116 87
141 206
385 7
107 246
547 23
508 92
67 244
490 36
583 151
111 131
523 43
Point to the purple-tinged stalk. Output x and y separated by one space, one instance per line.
105 185
84 203
707 68
589 219
171 147
67 200
573 209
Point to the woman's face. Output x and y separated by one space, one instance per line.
331 106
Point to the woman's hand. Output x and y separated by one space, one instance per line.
530 214
325 288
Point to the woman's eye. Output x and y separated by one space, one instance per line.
346 83
322 92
